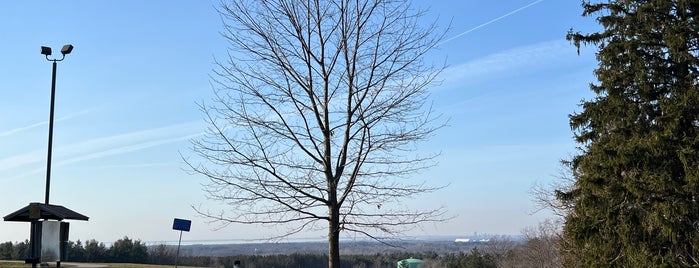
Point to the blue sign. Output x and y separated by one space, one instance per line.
181 225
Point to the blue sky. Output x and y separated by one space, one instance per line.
126 108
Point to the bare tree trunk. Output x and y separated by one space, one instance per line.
334 238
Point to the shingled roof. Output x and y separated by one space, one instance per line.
36 211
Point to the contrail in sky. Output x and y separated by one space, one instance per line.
103 147
491 21
20 129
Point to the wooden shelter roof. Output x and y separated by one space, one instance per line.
36 211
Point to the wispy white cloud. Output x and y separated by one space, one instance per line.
104 147
137 165
531 73
126 148
20 129
42 123
129 142
515 59
21 159
490 22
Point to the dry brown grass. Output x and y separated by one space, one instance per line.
21 264
13 264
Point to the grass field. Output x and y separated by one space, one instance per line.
21 264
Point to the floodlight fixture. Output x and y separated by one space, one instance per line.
46 51
66 49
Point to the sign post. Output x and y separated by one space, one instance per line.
180 225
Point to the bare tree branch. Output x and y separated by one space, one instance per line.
317 110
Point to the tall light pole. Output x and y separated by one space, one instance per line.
47 52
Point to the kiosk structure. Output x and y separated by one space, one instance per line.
48 237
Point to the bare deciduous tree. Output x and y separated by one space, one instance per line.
500 246
553 196
540 249
318 107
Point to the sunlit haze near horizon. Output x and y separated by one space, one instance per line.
126 108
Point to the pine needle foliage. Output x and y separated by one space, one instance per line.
634 201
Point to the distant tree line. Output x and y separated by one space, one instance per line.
124 250
540 249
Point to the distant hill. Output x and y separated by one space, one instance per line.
346 248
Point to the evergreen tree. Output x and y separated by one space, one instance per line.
76 251
128 250
6 251
637 175
20 251
95 251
